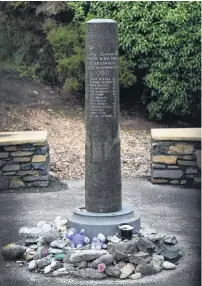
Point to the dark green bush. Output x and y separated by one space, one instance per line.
159 47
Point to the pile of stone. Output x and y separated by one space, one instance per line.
47 250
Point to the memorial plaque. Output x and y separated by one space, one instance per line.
102 159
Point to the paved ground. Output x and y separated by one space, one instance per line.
169 209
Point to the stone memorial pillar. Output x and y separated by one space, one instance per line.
102 148
103 211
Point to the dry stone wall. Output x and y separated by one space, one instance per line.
176 161
24 165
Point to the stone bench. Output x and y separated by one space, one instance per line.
176 156
24 159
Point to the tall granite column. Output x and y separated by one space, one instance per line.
102 159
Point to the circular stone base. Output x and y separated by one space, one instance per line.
105 223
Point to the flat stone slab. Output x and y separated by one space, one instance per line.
176 134
16 138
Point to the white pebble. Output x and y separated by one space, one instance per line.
136 276
168 265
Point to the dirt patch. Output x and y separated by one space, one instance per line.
27 105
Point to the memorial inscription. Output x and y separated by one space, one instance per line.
102 104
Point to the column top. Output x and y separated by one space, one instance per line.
101 21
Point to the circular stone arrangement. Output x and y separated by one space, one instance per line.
50 249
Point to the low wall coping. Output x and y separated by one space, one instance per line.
176 134
23 137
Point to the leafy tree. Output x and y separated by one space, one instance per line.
159 47
162 40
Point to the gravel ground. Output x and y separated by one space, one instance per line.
27 105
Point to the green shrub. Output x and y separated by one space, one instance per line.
160 41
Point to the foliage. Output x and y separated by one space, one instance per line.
162 40
159 47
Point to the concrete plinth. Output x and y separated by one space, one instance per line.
106 223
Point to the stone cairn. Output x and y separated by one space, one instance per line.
54 250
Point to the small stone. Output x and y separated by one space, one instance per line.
16 183
113 271
9 168
86 255
158 166
181 149
157 262
21 159
121 250
38 158
30 241
4 155
136 276
121 264
21 153
107 259
29 172
168 265
58 244
145 245
55 250
159 181
34 246
38 184
10 148
42 251
127 271
12 251
140 258
191 171
170 239
172 167
56 265
156 238
32 265
40 166
42 263
28 256
82 264
197 179
44 226
35 178
60 257
171 253
165 159
145 269
41 150
9 173
60 272
68 253
88 273
50 236
47 269
2 163
32 232
114 239
174 182
198 158
170 174
186 163
25 167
